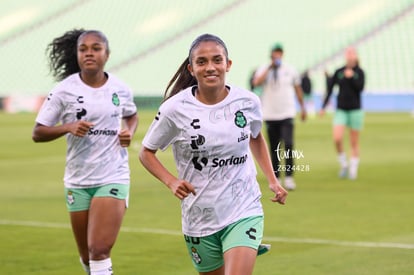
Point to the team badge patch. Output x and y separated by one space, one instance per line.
70 198
240 119
195 255
115 99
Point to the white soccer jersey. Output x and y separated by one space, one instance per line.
211 150
278 97
97 158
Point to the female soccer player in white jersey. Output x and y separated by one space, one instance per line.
213 129
96 113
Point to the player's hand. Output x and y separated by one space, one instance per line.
303 115
181 188
80 128
125 137
322 113
280 193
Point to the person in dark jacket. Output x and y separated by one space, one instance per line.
349 114
306 84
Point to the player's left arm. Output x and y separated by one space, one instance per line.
130 124
260 152
299 96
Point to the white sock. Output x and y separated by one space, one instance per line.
85 267
342 160
353 167
103 267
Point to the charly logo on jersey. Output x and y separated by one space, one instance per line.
195 123
115 99
80 112
240 120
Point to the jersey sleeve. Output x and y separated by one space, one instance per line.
257 117
50 112
129 107
162 132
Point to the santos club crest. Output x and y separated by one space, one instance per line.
240 119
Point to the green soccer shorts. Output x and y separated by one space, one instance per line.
207 252
79 199
353 119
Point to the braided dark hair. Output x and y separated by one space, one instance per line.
183 79
62 52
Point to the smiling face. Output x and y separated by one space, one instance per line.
209 64
92 52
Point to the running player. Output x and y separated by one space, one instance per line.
212 128
350 79
88 107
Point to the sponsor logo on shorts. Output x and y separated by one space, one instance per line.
195 255
114 191
250 233
70 198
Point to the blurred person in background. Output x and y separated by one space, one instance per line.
281 83
214 129
258 90
348 114
96 114
306 85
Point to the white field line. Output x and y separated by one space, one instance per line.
265 238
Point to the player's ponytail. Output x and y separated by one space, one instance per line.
180 81
62 54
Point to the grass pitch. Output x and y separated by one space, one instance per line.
328 226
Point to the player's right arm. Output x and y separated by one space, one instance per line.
261 75
43 133
330 85
260 152
180 188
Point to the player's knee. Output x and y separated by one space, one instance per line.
99 251
337 139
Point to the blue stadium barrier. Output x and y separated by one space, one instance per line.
378 102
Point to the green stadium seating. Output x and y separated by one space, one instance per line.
150 39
